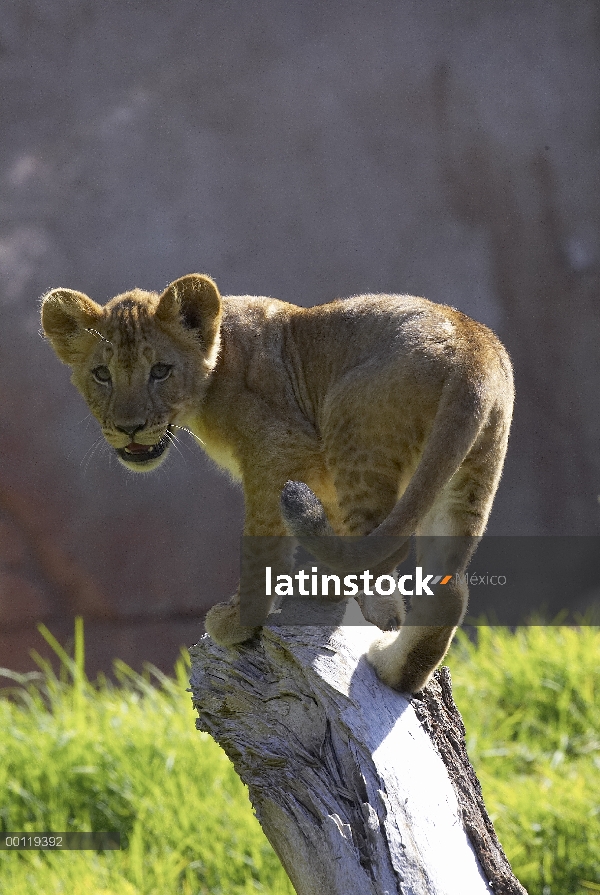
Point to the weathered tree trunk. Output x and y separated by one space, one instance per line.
360 790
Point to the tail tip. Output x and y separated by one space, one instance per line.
302 510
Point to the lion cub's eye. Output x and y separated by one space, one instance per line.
101 374
160 372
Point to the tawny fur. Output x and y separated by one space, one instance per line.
394 411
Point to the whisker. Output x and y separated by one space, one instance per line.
85 420
190 432
173 439
90 453
91 448
107 450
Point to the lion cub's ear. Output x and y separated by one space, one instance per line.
66 316
195 302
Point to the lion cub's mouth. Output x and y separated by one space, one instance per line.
144 453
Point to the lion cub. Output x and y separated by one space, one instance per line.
386 415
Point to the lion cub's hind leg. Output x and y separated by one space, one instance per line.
366 496
406 661
446 539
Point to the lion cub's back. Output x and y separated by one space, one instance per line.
403 330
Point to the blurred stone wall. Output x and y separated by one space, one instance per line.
305 151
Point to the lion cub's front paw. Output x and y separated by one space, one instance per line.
222 622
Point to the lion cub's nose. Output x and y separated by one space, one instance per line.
131 428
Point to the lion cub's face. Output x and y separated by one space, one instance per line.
141 362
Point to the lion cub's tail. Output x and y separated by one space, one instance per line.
464 410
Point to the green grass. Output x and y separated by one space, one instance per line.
74 756
531 706
82 756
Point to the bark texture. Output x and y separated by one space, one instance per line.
358 788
